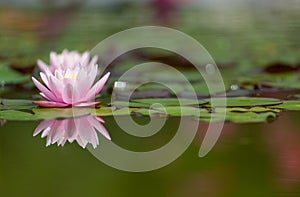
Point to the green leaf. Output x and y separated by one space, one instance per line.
129 104
52 113
44 113
180 110
289 105
150 112
245 101
16 104
241 109
7 75
239 117
170 101
110 111
250 117
16 115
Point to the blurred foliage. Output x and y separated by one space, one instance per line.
248 48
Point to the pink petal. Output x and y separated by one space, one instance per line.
44 78
83 84
44 96
87 104
56 87
68 94
53 59
93 73
97 87
99 119
93 61
42 66
50 104
43 89
84 60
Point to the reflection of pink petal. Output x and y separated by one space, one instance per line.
42 126
82 129
99 127
50 104
87 132
59 133
70 128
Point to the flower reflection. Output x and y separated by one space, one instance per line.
82 129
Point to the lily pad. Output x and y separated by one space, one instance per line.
250 117
129 104
8 75
239 117
16 104
17 115
43 113
180 110
246 101
52 113
151 112
170 101
110 111
289 105
241 109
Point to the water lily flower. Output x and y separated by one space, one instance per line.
70 87
67 60
81 129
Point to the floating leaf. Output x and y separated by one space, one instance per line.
239 117
240 109
52 113
43 113
110 111
129 104
7 75
170 101
16 104
180 110
289 105
246 101
151 112
250 117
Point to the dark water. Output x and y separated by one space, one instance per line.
248 160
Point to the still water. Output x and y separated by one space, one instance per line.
248 160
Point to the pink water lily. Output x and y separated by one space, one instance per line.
67 60
70 87
82 129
